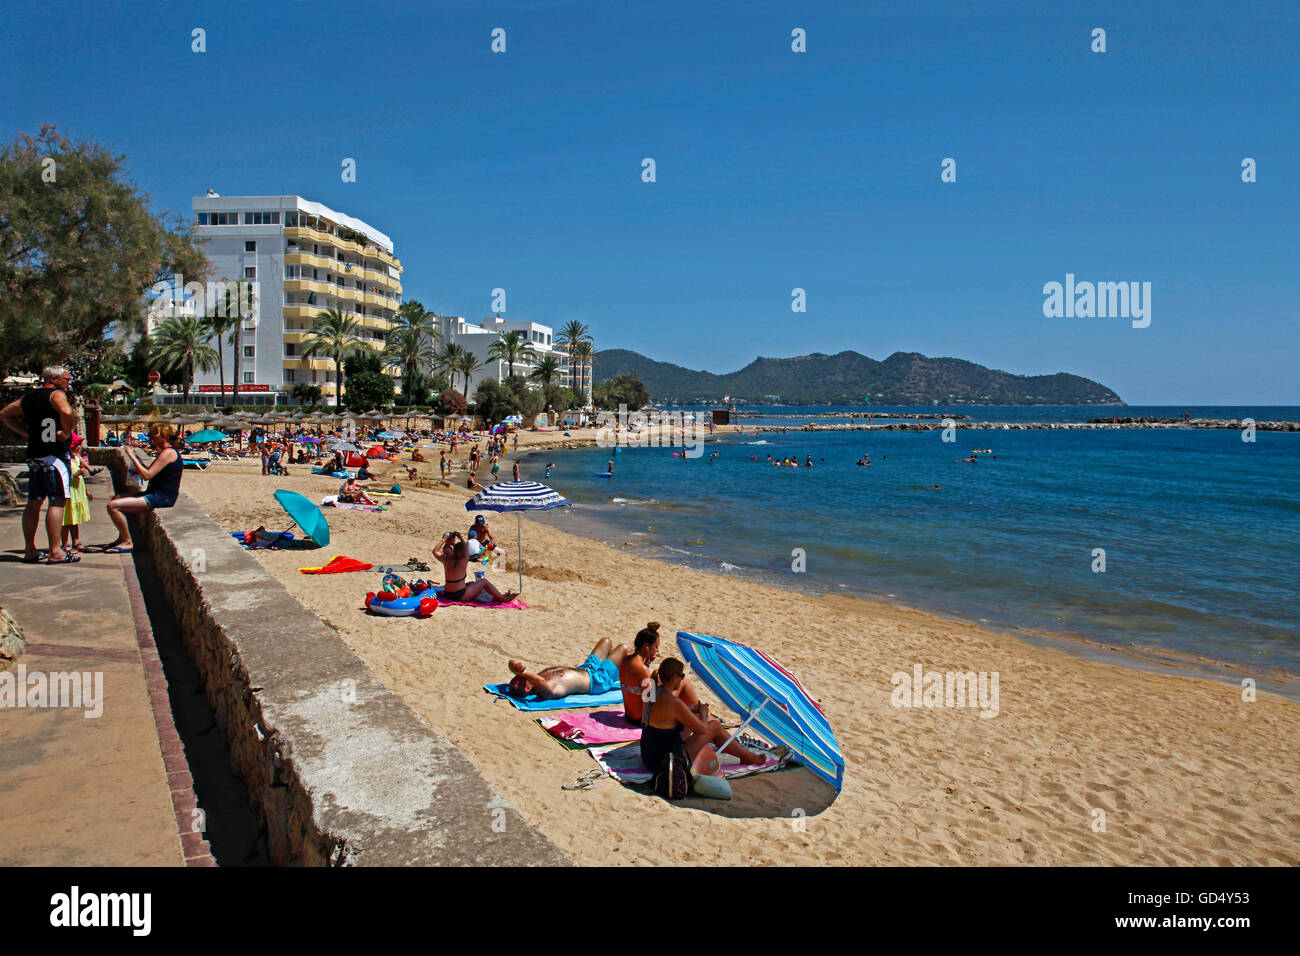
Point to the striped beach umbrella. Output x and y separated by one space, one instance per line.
768 696
518 496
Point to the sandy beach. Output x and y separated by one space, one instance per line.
1084 763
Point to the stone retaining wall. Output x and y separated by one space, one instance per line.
342 771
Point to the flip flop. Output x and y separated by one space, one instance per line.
118 549
69 557
587 781
40 556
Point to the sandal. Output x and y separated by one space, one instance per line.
40 556
68 558
587 781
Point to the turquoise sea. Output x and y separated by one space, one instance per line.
1199 528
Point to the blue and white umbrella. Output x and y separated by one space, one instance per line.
513 420
771 698
517 496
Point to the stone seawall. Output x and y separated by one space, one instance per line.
341 770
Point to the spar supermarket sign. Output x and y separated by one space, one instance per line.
242 388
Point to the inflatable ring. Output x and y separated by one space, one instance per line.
390 605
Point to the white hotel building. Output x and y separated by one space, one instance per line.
307 258
478 339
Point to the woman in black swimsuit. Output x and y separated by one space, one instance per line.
452 553
670 723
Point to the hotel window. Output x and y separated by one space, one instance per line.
203 219
288 376
219 218
250 351
291 219
250 245
250 272
248 378
261 219
288 349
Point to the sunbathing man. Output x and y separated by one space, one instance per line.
598 674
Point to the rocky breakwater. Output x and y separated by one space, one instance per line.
1093 425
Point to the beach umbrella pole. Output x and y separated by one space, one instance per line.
748 720
519 550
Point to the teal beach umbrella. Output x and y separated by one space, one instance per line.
306 514
205 436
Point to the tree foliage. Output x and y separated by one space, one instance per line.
79 247
626 389
495 400
367 390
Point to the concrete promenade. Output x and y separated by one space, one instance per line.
112 790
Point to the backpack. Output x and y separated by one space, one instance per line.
672 780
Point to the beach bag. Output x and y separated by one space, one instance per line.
672 780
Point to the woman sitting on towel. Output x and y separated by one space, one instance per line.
353 494
670 720
636 676
453 554
598 674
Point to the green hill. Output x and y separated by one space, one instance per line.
905 378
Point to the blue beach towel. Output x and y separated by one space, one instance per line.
532 702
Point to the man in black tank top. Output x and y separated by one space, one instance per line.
44 417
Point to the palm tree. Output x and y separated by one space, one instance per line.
584 353
570 336
181 344
412 344
448 361
215 326
412 349
335 334
511 347
548 366
467 366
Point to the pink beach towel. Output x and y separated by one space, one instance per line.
515 604
586 730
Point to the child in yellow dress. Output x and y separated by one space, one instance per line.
77 512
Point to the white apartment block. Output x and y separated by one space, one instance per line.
306 258
478 339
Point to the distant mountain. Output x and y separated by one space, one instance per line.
905 378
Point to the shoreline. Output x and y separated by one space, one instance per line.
921 785
1284 683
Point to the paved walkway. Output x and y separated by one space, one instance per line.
107 791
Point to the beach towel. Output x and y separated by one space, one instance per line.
515 604
331 501
261 538
337 565
532 702
591 730
623 763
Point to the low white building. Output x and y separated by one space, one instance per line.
478 339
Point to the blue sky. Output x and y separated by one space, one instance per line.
775 170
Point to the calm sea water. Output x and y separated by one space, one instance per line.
1198 527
